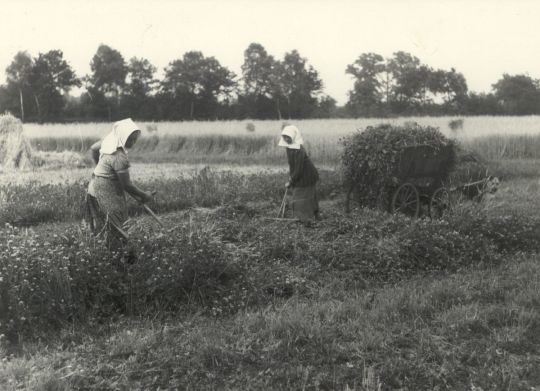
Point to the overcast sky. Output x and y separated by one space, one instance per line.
481 39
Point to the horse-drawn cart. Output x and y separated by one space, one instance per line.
420 180
421 183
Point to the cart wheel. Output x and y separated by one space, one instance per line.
406 200
439 203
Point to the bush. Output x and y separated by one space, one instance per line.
371 158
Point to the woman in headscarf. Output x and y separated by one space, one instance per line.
303 175
106 198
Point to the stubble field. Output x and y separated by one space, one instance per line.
224 297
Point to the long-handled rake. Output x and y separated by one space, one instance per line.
281 211
150 211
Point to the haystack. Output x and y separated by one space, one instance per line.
15 149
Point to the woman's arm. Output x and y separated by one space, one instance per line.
94 150
129 187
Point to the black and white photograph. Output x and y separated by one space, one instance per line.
305 195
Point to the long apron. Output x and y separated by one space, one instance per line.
305 203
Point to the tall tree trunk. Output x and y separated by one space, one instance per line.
22 104
191 110
38 107
109 112
277 109
289 106
387 88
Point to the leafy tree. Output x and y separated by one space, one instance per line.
258 82
137 93
397 84
402 84
410 80
420 79
257 70
141 77
368 90
195 81
482 104
326 107
51 78
270 85
518 94
109 71
9 98
437 82
18 76
454 88
298 83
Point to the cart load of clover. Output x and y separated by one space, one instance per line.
411 169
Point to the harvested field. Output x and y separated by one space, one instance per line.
297 295
228 142
225 298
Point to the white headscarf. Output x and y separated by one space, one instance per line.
293 132
118 136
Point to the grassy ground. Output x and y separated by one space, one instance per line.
40 196
364 302
27 203
474 330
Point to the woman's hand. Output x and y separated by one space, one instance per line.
128 186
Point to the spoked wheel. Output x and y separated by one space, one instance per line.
406 200
439 203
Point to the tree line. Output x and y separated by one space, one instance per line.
197 87
402 85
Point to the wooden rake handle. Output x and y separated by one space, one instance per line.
148 210
151 213
281 212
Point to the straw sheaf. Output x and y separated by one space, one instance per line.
15 150
10 124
